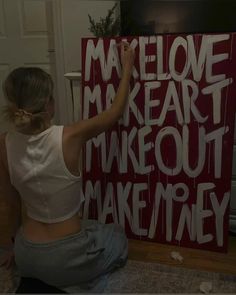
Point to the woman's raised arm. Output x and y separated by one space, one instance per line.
89 128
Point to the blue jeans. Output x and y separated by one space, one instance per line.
76 260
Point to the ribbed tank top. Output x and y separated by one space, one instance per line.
38 172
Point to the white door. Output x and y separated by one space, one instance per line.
26 38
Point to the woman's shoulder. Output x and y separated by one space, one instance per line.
71 132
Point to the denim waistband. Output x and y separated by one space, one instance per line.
63 240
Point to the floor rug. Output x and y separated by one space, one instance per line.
142 277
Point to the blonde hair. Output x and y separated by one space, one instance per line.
28 91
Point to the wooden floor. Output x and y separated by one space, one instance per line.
159 253
194 259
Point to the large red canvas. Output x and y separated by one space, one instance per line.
164 170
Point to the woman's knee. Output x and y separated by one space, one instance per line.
120 241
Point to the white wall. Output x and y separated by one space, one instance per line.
75 25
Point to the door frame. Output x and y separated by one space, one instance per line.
62 104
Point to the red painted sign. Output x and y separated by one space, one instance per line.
164 170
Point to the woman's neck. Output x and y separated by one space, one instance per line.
34 131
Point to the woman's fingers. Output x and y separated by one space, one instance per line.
122 43
127 54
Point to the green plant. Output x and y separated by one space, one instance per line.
106 27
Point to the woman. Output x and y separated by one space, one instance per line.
39 164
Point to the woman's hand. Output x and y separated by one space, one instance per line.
127 56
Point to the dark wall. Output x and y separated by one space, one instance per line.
147 17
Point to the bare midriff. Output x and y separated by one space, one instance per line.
40 232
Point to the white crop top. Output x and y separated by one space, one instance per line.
38 172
